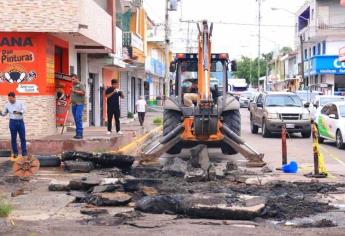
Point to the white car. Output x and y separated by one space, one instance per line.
320 101
331 123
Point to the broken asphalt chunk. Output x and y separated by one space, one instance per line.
175 167
110 199
84 183
79 166
56 186
132 185
108 160
107 188
94 211
72 156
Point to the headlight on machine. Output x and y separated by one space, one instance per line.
272 116
305 116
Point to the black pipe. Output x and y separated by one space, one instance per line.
176 131
231 134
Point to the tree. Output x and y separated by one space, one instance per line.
285 50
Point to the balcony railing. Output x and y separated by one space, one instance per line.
331 22
130 39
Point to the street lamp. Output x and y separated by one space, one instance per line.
300 38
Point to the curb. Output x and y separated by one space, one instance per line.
133 145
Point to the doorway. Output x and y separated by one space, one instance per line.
91 102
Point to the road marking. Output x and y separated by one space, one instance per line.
333 156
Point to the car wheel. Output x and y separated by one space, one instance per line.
265 132
319 138
306 134
253 128
339 141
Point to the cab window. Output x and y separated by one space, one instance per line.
324 110
333 111
260 99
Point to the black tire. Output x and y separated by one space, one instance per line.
306 134
319 138
232 119
265 132
5 153
171 119
49 160
253 128
340 142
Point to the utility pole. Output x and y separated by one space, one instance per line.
259 38
167 49
302 58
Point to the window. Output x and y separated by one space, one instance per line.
324 110
342 110
333 111
283 101
260 99
323 47
305 54
314 50
319 49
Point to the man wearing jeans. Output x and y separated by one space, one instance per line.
16 109
78 99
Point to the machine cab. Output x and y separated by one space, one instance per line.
185 69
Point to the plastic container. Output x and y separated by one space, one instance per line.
292 167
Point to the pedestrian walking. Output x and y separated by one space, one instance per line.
141 109
78 100
113 95
16 110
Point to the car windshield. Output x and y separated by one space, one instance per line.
326 100
342 110
283 101
246 94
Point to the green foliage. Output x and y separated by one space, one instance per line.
157 121
130 115
5 208
285 50
247 68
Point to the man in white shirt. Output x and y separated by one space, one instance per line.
141 109
16 109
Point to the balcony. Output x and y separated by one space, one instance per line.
132 40
82 22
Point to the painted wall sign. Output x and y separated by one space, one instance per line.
27 63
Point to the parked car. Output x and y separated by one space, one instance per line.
331 123
245 98
271 111
307 96
320 101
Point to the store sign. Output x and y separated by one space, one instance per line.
23 63
326 65
342 54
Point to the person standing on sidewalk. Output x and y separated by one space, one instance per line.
113 95
141 109
78 100
16 109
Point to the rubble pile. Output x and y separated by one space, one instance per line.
194 188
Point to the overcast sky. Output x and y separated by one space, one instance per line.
236 39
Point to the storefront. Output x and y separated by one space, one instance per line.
154 81
327 74
28 65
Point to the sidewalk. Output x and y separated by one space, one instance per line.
95 138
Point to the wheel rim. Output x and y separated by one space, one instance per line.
339 140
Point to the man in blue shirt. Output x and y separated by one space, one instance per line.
16 109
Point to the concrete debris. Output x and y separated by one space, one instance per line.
94 211
267 169
107 181
196 175
149 191
210 206
175 167
79 166
310 223
18 192
110 199
199 157
107 188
